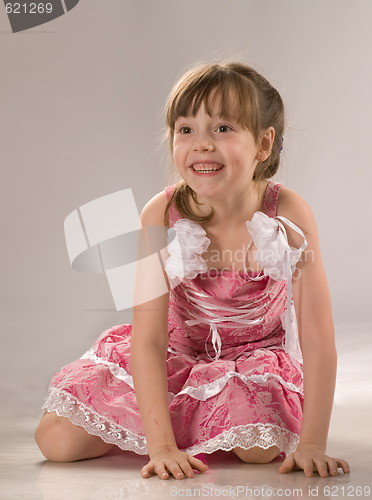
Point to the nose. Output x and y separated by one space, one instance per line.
203 143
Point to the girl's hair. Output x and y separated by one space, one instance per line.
241 90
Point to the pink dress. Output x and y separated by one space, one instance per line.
234 375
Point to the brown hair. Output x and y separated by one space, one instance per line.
259 107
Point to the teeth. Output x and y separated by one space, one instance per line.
206 170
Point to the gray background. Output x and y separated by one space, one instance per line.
81 106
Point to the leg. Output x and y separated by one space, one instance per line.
61 441
257 455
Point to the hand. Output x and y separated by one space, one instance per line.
311 458
169 459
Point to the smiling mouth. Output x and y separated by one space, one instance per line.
206 168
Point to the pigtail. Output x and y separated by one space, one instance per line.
181 196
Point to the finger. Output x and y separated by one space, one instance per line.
146 471
287 465
343 464
322 467
186 468
161 471
197 464
332 466
175 469
308 468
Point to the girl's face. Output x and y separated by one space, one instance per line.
214 156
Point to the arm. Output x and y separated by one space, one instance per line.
316 334
149 344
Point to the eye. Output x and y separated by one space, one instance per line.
223 128
185 130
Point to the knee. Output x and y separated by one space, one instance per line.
257 455
53 438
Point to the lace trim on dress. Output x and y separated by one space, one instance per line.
66 405
248 436
244 436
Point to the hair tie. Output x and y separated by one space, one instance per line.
281 147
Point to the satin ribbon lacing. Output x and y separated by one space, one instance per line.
240 319
241 315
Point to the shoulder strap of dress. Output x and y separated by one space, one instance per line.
271 198
169 190
174 214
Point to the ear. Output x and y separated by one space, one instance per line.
265 144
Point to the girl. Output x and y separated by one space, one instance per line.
215 363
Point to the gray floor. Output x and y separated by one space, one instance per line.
24 474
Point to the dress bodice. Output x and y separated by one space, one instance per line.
223 313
